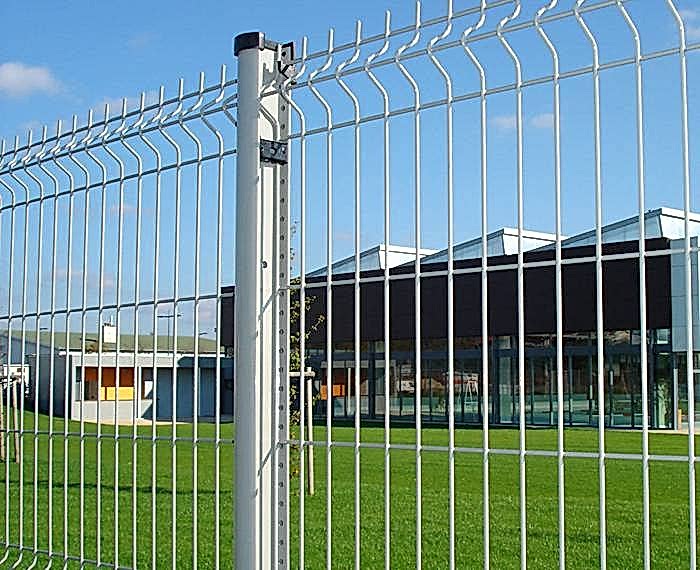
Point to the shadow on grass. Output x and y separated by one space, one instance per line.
144 489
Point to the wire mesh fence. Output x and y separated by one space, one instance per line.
461 304
492 234
117 396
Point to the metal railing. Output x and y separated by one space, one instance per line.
361 170
109 225
383 123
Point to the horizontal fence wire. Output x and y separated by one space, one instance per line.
499 451
117 376
404 144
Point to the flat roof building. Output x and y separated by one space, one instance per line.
403 395
107 386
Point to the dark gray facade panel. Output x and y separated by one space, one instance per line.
620 298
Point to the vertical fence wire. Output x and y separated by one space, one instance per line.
120 232
18 394
483 158
52 340
353 57
10 190
176 114
641 188
687 265
386 292
302 399
558 284
217 402
329 291
521 276
449 112
602 515
35 506
154 371
418 388
5 411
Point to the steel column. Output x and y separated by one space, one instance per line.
258 118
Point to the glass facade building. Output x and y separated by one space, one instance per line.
389 383
623 398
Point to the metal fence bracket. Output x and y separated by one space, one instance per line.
273 151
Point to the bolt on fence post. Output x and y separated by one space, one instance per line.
261 164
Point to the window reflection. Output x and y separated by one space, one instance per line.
430 395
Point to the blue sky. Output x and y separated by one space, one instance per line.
79 53
618 114
61 58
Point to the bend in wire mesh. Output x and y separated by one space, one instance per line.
579 9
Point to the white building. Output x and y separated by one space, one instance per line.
101 387
93 393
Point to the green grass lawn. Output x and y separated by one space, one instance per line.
669 501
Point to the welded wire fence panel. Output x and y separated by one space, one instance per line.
117 376
481 218
493 227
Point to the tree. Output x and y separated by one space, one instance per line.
295 366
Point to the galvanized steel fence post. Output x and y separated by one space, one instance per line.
261 305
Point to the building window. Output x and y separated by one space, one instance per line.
101 383
147 383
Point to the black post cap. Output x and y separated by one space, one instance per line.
250 40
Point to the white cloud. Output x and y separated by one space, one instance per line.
127 209
207 318
115 104
692 23
504 122
32 125
141 40
109 281
543 121
509 122
18 79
